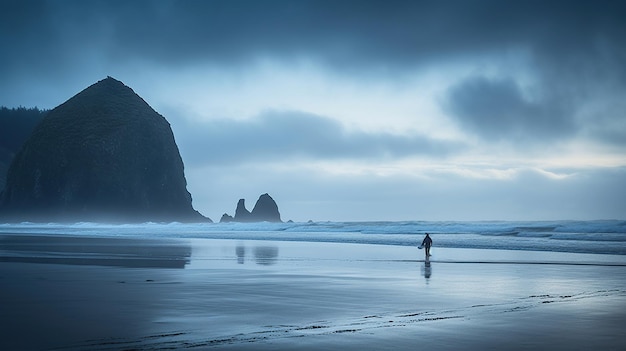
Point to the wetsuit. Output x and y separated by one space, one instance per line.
427 243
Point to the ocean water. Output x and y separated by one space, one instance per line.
595 237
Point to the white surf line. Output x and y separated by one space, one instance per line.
367 324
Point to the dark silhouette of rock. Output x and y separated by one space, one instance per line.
226 218
16 125
103 155
5 160
265 210
241 213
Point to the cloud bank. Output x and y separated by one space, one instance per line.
281 135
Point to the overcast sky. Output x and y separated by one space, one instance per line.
364 110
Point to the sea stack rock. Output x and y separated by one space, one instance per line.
265 210
241 213
103 155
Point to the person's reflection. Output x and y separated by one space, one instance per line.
240 250
427 269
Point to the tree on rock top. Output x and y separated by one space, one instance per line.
104 154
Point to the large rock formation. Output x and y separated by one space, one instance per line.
265 210
104 154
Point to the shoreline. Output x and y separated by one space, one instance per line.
593 237
262 295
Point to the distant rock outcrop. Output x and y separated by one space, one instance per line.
265 210
103 155
241 213
226 218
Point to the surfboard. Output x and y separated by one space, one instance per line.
420 247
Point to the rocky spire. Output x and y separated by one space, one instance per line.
241 213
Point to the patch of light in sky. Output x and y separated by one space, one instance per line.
416 169
205 92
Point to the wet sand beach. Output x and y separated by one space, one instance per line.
94 293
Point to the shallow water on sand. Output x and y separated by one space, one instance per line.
245 294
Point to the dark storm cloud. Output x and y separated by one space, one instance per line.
575 52
497 109
295 136
576 49
341 33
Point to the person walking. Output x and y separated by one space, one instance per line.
427 243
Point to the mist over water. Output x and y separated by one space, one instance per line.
599 237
